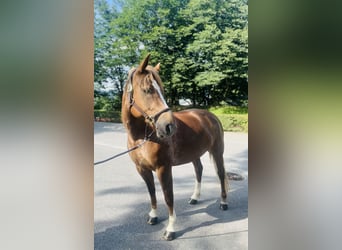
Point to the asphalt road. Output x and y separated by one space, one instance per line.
121 200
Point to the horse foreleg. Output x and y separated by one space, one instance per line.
165 178
149 180
197 191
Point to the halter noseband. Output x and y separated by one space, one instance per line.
152 119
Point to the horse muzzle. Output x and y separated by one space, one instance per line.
165 125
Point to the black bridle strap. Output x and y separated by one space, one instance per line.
151 119
133 104
156 116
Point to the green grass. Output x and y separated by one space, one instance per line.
233 119
228 110
234 122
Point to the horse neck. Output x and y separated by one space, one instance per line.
134 126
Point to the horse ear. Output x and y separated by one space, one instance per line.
157 67
144 64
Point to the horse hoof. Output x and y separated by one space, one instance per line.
169 235
192 201
152 220
223 206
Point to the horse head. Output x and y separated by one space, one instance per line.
145 94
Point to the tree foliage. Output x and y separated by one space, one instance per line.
202 46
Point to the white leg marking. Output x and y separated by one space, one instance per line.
172 222
153 213
156 86
197 192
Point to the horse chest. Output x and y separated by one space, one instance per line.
152 155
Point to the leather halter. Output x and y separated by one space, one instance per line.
151 119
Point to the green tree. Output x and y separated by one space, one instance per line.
151 26
109 66
201 45
216 53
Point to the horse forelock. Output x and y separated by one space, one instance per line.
142 77
157 78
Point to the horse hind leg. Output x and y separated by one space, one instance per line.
221 172
149 180
197 190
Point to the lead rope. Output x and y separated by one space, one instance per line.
147 138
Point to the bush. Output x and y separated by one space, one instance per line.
107 116
107 103
229 110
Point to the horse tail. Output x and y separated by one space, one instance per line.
216 153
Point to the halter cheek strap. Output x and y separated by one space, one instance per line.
151 119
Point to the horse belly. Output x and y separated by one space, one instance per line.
190 148
187 156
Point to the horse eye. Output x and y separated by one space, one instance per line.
149 90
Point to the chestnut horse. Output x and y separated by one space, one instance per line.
164 139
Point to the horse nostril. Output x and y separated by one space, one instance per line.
169 129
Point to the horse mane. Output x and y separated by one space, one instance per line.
125 114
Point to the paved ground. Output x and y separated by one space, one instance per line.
122 201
